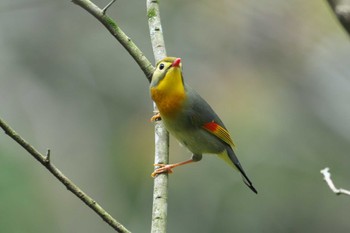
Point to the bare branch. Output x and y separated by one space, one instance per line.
161 135
160 191
46 162
341 9
155 29
117 32
327 178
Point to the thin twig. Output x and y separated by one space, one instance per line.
160 191
107 6
45 161
48 156
327 178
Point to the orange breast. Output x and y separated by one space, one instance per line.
169 104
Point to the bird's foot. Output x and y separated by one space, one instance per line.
168 168
163 168
156 117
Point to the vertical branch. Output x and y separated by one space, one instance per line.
155 29
160 191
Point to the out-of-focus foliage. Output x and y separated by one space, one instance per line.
277 72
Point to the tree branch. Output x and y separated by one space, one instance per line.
160 190
327 178
341 9
161 135
46 162
117 32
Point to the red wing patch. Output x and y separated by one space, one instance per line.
219 131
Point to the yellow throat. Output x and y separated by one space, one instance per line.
169 92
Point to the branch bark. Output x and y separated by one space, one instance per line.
45 161
160 190
327 178
341 9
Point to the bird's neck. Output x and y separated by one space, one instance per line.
169 94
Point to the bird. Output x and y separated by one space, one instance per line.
190 119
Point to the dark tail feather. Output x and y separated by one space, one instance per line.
234 159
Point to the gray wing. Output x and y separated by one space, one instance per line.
201 111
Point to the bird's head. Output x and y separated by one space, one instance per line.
167 73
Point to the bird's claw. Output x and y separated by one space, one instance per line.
163 168
156 117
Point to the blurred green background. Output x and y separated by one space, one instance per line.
277 72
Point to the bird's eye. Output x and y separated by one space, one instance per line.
161 66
